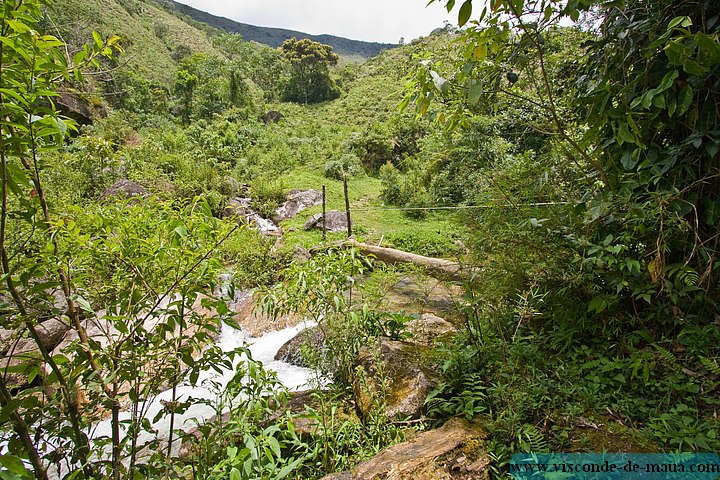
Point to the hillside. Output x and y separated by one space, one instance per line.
274 37
149 34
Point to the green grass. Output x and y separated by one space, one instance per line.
373 221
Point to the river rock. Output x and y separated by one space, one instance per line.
427 328
237 207
6 339
420 294
291 351
126 189
24 352
297 201
335 221
22 357
395 367
255 322
454 451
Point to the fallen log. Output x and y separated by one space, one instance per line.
439 266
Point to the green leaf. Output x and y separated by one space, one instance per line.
83 304
14 464
98 39
624 135
61 126
18 26
667 81
628 160
682 21
479 52
597 305
465 12
235 474
677 53
694 68
685 100
708 49
474 92
659 101
450 5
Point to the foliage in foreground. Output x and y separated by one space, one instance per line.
604 303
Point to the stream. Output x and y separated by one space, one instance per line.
263 349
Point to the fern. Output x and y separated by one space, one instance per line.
711 365
531 440
684 275
467 400
667 357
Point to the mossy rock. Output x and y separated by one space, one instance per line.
603 435
392 374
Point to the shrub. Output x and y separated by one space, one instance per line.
348 164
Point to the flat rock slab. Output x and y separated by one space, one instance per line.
427 328
449 452
297 201
422 295
126 189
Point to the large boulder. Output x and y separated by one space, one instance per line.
394 370
454 451
126 189
254 321
237 207
22 358
296 202
273 116
335 221
77 107
420 294
22 354
427 328
292 351
6 340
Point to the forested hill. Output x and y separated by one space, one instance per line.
275 36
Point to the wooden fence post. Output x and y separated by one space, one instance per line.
347 206
323 217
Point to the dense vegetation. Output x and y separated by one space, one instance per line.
573 170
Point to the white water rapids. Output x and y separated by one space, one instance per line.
263 349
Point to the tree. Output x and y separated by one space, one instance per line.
31 67
266 67
640 123
310 80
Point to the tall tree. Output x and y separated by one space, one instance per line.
310 80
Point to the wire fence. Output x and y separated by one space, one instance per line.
455 207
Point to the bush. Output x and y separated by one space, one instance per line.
374 147
348 164
430 243
267 195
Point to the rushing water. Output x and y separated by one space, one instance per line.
263 349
